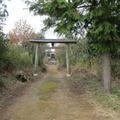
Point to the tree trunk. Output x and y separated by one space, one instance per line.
107 72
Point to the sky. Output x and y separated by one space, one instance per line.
18 10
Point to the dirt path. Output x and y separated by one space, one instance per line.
51 99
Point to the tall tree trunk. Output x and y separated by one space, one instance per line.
107 71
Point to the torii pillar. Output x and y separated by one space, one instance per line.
67 61
36 60
52 41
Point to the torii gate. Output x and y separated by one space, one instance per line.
53 41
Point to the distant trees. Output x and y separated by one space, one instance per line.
99 18
22 32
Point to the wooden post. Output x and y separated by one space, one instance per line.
36 60
67 60
107 72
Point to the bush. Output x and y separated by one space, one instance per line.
77 54
17 58
3 49
1 83
116 68
61 58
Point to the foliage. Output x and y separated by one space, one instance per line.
20 36
3 47
61 56
116 68
15 58
41 58
78 54
2 44
22 32
41 54
84 82
1 83
99 18
3 13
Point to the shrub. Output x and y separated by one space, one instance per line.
3 49
61 58
17 57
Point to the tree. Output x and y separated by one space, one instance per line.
22 32
3 13
3 46
99 18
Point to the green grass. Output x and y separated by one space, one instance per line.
46 88
93 86
49 86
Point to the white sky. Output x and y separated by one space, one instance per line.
17 11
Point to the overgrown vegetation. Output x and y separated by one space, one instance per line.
95 24
84 82
16 55
16 58
96 21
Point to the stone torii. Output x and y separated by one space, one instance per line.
53 41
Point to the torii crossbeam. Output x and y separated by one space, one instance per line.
54 41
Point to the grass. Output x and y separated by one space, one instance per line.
46 88
49 86
92 85
112 101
